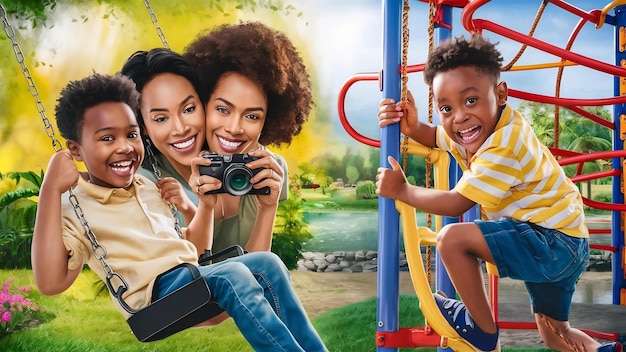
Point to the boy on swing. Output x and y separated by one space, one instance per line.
96 115
533 226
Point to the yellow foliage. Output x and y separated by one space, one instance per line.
87 37
7 185
87 287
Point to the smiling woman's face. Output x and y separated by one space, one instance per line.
235 116
174 119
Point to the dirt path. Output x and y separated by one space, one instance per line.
320 292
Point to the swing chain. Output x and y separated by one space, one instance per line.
99 251
19 55
155 22
157 173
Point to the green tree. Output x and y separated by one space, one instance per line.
352 159
327 164
352 174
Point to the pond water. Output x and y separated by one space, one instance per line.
353 231
345 231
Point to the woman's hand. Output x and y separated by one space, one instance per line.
272 177
203 183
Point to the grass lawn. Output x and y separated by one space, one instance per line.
94 325
339 199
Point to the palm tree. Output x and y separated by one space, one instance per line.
576 133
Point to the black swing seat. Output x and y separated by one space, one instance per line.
183 308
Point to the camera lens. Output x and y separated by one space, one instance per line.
237 180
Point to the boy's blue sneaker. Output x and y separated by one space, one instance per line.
458 317
610 347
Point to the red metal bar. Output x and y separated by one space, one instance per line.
591 16
566 101
603 247
592 156
408 337
549 48
599 231
368 76
595 175
341 100
468 12
592 117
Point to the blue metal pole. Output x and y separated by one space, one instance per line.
619 113
388 291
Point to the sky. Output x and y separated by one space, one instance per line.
339 39
348 40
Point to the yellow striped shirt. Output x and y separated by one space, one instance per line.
513 175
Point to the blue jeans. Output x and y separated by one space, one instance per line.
255 290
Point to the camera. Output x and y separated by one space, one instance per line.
232 171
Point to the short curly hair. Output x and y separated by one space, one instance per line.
80 95
267 57
477 52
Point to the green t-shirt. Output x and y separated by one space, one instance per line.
230 231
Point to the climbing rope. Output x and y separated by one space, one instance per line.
404 98
530 34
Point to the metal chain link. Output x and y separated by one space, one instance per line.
155 22
150 154
19 55
157 173
99 251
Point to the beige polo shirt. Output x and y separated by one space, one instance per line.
136 228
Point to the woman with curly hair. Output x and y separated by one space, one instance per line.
259 94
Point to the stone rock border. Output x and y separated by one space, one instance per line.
367 261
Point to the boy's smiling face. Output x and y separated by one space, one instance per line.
110 144
468 102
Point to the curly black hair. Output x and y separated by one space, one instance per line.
267 57
477 51
143 66
80 95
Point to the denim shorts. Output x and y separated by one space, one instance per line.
548 261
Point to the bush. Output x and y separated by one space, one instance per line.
604 197
290 225
17 311
17 217
366 190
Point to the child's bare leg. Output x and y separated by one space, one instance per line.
460 245
560 336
